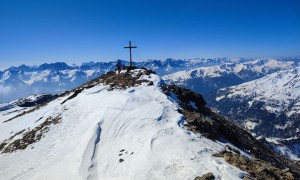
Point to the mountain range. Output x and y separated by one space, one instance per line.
235 88
18 82
206 80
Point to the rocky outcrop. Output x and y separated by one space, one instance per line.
208 176
76 92
256 168
129 78
186 97
200 119
37 100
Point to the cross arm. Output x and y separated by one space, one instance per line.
131 47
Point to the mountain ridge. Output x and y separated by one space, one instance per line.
270 114
121 119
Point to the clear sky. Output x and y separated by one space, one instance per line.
75 31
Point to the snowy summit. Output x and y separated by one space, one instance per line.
117 126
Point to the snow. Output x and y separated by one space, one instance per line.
220 97
70 73
37 76
90 72
285 150
258 66
279 90
97 125
5 76
178 76
250 125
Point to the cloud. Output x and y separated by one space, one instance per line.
4 90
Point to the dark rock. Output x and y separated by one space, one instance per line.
40 99
76 92
208 176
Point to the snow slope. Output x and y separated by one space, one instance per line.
119 134
269 106
280 91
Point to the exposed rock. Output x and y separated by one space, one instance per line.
29 111
123 80
186 96
28 137
76 92
257 168
199 123
208 176
38 99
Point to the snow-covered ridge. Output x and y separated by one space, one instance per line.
120 134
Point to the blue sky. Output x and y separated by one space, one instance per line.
73 31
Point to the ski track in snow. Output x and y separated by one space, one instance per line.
99 128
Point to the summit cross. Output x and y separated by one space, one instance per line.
130 47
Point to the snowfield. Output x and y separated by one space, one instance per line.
135 133
280 91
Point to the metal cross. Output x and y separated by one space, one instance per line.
130 47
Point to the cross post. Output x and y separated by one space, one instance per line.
130 47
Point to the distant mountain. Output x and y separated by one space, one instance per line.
268 107
17 82
206 80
